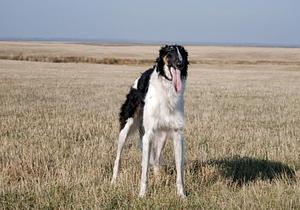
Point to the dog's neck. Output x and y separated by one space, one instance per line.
165 91
166 84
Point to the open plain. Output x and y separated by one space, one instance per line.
59 106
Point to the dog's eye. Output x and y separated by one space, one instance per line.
171 49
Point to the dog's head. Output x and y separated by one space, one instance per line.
172 64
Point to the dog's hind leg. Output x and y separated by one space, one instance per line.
147 139
141 134
124 133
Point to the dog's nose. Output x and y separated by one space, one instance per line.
179 64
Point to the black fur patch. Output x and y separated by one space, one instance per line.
134 102
143 82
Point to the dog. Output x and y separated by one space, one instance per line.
155 107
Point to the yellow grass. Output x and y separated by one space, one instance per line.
127 54
59 128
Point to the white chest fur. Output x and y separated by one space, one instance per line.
164 107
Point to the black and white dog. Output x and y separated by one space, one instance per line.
155 107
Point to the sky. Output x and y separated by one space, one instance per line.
262 22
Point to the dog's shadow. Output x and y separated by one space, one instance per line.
244 170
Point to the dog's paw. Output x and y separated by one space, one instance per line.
182 195
142 192
113 181
180 192
141 195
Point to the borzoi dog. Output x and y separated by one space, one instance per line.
155 107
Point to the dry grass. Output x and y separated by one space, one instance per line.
59 127
137 55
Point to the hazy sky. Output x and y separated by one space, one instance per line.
216 21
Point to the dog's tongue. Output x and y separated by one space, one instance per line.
176 80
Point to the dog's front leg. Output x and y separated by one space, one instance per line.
178 141
147 138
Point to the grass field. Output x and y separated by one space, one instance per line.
59 129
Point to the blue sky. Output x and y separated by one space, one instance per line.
267 22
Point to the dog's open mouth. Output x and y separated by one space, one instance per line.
176 79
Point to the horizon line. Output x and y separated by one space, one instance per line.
148 42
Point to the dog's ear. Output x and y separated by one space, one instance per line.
163 51
185 55
160 60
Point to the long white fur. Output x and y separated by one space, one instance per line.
163 117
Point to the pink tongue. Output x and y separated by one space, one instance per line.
176 80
